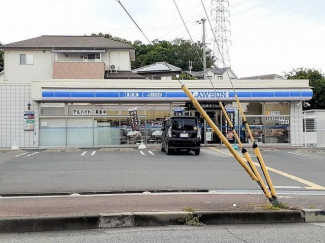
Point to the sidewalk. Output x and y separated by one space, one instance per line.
79 212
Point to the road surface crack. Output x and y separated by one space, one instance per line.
235 236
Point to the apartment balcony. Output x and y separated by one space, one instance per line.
78 70
78 64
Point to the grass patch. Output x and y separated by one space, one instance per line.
192 219
277 206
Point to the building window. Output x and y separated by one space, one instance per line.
95 56
26 59
219 77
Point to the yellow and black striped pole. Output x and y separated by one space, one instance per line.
219 133
257 152
246 155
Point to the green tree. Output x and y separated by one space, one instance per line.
316 81
1 59
177 52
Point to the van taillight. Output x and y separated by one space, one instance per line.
170 132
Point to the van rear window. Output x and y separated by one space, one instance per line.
184 124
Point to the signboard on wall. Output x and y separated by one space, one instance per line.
81 112
29 121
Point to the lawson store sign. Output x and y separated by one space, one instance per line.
174 95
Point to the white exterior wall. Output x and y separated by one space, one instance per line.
121 60
320 129
16 73
296 124
13 103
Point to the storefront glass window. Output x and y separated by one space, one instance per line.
268 129
51 109
106 110
53 132
156 114
106 131
80 132
80 110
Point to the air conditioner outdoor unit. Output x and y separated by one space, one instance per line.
113 68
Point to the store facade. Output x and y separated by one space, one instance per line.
75 113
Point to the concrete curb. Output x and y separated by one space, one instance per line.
142 219
313 215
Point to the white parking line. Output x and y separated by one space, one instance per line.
32 154
21 154
143 153
305 155
151 153
83 153
93 152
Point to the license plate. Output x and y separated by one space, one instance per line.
184 135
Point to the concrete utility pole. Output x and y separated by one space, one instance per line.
202 21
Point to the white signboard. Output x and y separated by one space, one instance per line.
81 112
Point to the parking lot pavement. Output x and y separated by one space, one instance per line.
129 169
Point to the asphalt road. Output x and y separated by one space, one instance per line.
289 233
91 170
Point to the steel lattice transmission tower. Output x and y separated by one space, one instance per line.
221 13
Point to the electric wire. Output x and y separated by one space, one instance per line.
282 22
134 21
187 30
238 3
252 8
275 36
281 10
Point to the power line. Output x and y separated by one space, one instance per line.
187 30
275 36
242 22
238 3
192 16
314 13
134 21
252 8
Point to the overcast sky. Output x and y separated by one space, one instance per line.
268 36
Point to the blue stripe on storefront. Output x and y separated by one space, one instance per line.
295 93
282 94
47 94
262 94
156 95
107 94
62 94
240 94
83 94
307 94
176 95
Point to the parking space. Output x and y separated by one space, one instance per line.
105 170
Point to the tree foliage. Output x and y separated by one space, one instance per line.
316 81
177 52
1 59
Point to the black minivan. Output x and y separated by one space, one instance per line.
181 133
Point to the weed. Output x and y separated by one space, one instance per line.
192 219
277 206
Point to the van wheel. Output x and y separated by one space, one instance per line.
168 151
197 152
